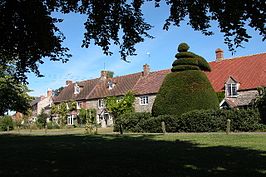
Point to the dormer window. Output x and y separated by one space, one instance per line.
231 87
76 89
231 90
110 85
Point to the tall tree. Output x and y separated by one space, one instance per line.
13 95
28 32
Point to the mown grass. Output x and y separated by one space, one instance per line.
174 155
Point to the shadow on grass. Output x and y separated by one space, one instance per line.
115 156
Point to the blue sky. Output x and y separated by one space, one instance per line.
86 63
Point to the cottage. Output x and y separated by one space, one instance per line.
237 77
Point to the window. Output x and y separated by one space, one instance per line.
78 105
100 103
76 89
144 100
70 120
231 90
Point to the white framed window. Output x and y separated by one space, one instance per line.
231 90
79 105
144 100
70 120
76 89
100 103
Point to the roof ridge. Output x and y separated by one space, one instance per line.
239 57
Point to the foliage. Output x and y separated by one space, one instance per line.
220 96
117 106
6 123
58 91
52 125
13 94
110 74
41 119
28 35
28 25
87 114
193 121
261 104
185 89
131 121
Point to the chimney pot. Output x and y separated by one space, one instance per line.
104 75
219 54
146 69
49 92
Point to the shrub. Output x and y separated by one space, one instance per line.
52 125
186 88
183 92
154 124
203 121
193 121
244 120
6 123
131 121
261 104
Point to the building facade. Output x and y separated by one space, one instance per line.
238 78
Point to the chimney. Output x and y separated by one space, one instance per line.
68 82
104 75
49 92
146 70
219 54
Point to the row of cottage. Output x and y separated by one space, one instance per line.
239 78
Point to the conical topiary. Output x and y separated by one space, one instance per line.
187 87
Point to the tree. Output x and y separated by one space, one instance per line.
187 87
117 106
28 32
58 91
42 119
13 95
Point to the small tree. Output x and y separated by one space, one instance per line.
42 119
118 107
6 123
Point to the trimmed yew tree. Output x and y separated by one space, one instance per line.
187 87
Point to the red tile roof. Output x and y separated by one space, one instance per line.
122 85
249 71
151 83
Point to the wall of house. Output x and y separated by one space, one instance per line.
244 97
43 103
144 108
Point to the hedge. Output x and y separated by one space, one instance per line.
184 91
187 87
193 121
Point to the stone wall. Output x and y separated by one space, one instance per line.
144 108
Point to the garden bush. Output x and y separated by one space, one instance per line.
52 125
131 121
6 123
187 87
194 121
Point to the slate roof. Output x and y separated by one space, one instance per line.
249 71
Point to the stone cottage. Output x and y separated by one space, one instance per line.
237 77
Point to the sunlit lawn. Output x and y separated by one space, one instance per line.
170 155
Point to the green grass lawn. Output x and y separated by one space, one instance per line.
171 155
